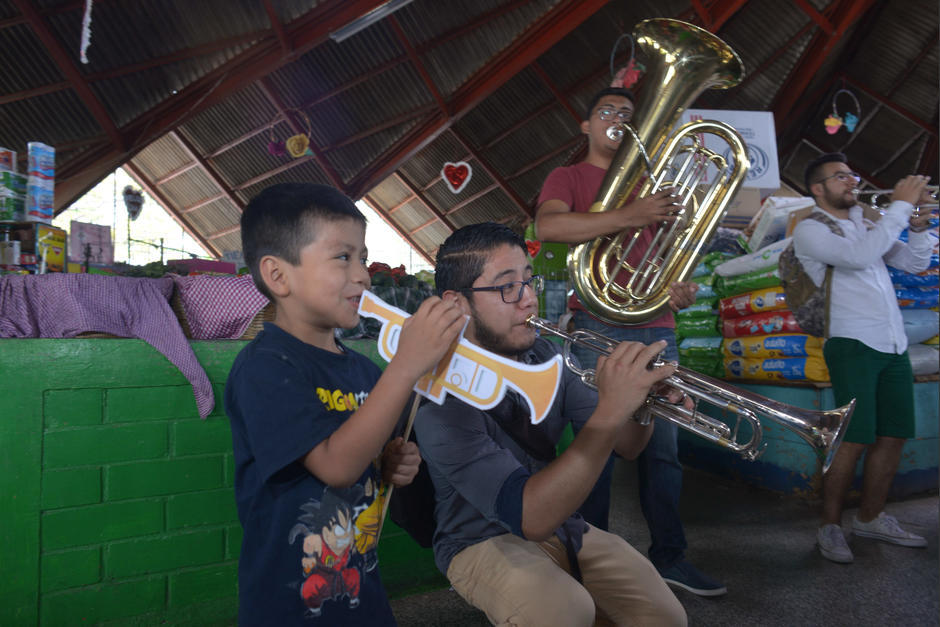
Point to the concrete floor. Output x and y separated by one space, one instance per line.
761 545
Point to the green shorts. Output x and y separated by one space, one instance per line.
881 383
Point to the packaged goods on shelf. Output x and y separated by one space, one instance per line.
40 183
768 346
778 369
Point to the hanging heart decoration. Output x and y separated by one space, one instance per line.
533 247
456 175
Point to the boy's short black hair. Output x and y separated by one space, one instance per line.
461 257
281 220
811 173
609 91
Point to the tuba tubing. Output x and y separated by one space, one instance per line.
821 429
683 61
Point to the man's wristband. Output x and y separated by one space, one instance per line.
920 230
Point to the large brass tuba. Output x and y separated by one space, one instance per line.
615 283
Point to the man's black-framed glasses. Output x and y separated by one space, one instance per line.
607 114
512 292
842 177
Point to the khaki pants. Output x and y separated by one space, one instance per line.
522 583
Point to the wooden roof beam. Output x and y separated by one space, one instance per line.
207 167
155 193
816 16
419 66
202 203
535 41
235 228
293 163
560 97
278 28
305 33
722 11
419 194
844 14
378 128
66 65
268 90
405 236
493 174
930 128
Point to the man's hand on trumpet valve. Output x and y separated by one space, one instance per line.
624 378
912 189
673 395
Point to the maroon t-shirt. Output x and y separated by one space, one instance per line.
577 186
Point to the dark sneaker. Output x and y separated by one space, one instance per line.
887 529
832 544
684 575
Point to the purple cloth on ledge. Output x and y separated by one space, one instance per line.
64 305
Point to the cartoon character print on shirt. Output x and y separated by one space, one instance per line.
329 546
368 522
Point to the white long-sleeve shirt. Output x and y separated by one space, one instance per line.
863 304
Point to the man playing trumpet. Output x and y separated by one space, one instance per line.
866 351
508 537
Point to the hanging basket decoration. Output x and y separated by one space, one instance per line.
296 145
133 201
456 175
627 76
835 121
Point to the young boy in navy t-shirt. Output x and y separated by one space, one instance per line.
310 417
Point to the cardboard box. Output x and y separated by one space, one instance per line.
50 243
7 159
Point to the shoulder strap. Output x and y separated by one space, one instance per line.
825 218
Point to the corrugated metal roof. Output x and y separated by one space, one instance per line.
501 84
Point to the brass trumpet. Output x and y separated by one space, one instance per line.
823 430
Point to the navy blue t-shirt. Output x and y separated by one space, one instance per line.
308 555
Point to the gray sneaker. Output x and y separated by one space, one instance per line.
832 544
886 528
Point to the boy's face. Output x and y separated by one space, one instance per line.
615 109
495 325
326 285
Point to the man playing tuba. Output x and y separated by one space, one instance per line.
562 216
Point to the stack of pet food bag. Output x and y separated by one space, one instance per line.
697 327
760 339
918 299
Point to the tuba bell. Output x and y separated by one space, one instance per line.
616 283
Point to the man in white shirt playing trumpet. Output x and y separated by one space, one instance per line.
866 350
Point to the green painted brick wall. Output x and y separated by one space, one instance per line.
122 510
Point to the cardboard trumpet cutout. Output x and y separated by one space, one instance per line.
472 374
